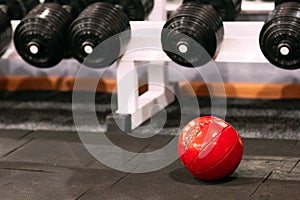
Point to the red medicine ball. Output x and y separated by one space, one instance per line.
210 148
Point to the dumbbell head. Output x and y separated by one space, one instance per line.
5 32
97 23
137 10
228 9
277 2
17 9
193 34
40 36
280 36
74 6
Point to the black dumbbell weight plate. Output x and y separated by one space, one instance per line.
137 10
193 34
280 36
97 23
40 37
228 9
17 9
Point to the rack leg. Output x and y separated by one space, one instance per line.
133 109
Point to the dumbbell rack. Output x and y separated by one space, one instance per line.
139 108
240 45
134 109
239 50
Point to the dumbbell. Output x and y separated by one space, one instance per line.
193 34
280 36
5 31
40 38
228 9
73 6
136 10
105 21
17 9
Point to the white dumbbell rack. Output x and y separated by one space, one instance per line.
245 50
134 109
240 45
159 93
138 107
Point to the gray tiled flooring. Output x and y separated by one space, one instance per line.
55 165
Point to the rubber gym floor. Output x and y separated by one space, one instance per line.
42 157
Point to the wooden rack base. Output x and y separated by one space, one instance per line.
233 90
